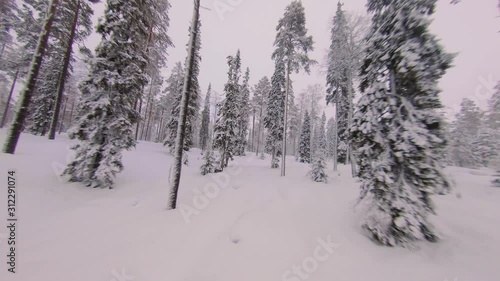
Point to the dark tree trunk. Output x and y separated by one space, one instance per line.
7 105
64 74
26 95
181 128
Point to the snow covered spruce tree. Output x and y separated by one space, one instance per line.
158 44
292 47
464 132
205 121
331 138
73 23
26 94
226 127
275 112
106 114
209 164
343 63
318 166
260 96
8 21
193 106
76 16
493 113
484 146
397 127
493 123
172 91
305 140
244 115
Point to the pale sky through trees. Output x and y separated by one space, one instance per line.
470 29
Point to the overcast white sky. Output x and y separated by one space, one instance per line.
470 29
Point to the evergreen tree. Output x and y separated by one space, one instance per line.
315 139
44 98
463 134
305 140
34 70
275 112
158 43
493 113
208 166
343 61
205 121
73 23
398 131
106 114
331 137
8 20
322 144
173 93
244 115
318 167
317 172
193 105
260 97
294 127
292 47
226 127
484 146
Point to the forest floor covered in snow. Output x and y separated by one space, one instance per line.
248 224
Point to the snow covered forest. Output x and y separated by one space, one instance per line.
128 156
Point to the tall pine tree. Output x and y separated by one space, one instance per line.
193 106
292 48
275 114
244 115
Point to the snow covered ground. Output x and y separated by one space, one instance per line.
247 224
